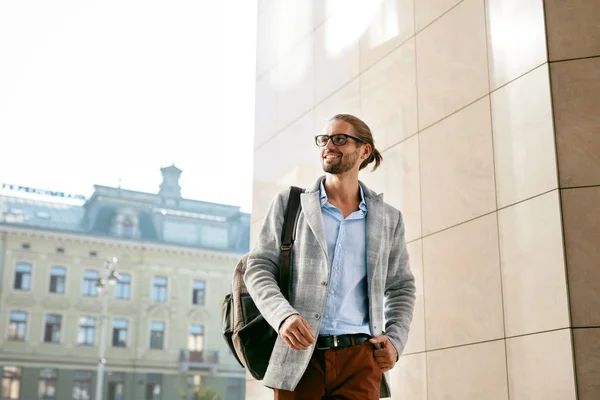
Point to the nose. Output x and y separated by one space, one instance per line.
330 145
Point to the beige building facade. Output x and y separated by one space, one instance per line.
162 318
486 113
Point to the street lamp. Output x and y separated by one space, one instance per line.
111 277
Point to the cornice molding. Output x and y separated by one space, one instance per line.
69 237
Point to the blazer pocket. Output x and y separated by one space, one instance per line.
280 352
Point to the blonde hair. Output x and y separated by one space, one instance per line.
363 132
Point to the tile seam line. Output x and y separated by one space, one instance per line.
506 338
560 198
479 98
437 18
573 59
498 240
312 31
484 215
471 219
334 92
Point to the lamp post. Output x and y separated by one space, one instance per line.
109 278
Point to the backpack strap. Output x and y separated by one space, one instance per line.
288 235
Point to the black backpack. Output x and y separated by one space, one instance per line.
247 333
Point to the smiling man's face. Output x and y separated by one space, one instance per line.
340 159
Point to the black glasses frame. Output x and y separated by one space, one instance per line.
331 137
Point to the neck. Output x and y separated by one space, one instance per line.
342 188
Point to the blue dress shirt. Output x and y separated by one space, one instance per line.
346 307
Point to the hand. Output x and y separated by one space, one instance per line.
387 355
296 332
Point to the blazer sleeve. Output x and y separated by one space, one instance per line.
262 269
399 300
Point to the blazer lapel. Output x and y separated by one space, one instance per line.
311 208
374 233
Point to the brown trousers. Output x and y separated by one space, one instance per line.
348 373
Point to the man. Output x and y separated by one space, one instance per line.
350 272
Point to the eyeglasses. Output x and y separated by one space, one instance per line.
339 139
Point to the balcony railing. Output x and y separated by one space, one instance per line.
198 360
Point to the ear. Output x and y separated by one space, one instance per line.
367 150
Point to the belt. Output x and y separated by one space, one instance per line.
330 342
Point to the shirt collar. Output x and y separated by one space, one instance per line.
362 206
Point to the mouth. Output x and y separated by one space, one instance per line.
331 157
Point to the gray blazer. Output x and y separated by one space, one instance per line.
391 288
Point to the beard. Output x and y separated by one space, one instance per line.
343 164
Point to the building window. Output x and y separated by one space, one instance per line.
119 333
215 237
124 224
194 383
23 276
159 289
17 326
87 331
198 292
91 280
153 387
116 390
234 390
82 385
11 383
47 386
127 228
123 288
196 338
52 329
57 280
157 335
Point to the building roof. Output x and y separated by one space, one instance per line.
133 215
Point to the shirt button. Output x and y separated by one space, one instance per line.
331 292
317 316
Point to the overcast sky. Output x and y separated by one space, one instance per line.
96 91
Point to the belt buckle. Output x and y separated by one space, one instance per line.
335 342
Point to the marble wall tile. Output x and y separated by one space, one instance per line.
452 62
289 158
586 343
463 295
263 4
336 58
516 38
533 266
266 45
573 29
344 101
540 366
472 372
388 96
416 337
295 80
427 11
581 220
576 99
409 378
457 168
524 148
256 391
265 111
392 24
402 190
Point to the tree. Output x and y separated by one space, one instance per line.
203 394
